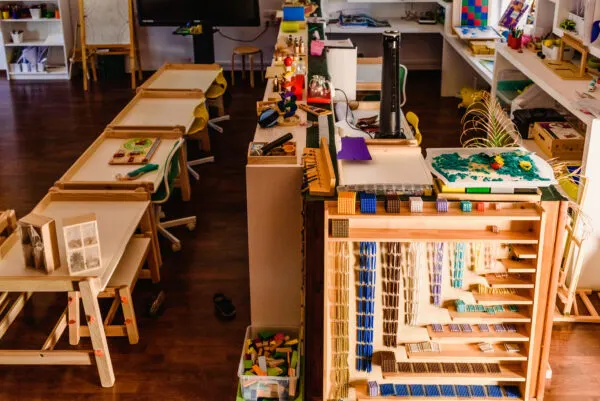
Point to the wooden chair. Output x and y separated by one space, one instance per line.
247 51
119 288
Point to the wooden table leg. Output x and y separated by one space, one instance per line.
89 296
154 260
251 57
262 66
184 178
73 317
233 69
243 67
129 315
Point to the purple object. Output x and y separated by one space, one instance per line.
354 149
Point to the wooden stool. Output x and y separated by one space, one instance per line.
119 288
244 51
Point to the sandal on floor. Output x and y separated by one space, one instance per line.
223 306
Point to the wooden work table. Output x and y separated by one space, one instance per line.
119 214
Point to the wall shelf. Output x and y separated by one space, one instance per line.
395 235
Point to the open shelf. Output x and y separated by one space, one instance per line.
489 318
508 373
454 212
28 43
518 266
30 20
406 235
466 353
508 281
477 336
473 60
502 299
524 252
362 395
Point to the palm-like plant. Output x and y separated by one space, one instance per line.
486 125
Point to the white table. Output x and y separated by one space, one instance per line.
119 214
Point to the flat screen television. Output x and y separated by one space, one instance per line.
213 12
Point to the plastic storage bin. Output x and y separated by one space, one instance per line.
253 387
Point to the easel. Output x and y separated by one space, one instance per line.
571 270
566 69
89 51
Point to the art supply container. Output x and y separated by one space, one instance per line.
17 37
514 43
253 387
36 13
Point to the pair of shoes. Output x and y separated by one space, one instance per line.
223 307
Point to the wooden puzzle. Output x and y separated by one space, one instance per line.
315 111
135 151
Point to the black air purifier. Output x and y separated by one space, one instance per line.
389 111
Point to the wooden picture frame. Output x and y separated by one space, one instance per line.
37 234
82 244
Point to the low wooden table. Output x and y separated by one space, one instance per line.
119 215
93 171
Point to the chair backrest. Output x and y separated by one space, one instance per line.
218 87
170 173
201 118
403 74
413 120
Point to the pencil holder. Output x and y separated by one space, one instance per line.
514 43
17 37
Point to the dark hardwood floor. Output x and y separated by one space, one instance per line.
187 354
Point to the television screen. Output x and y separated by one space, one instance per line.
215 12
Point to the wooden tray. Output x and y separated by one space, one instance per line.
182 77
159 110
93 169
287 159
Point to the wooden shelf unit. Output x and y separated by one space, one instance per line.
522 225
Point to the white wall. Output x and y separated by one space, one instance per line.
158 44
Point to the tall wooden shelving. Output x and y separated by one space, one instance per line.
515 283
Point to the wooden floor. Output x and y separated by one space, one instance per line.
187 354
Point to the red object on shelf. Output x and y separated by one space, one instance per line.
514 43
288 61
298 86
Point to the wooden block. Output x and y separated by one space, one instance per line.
339 229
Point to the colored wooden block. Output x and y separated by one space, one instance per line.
477 391
401 390
417 390
442 205
466 206
494 391
432 390
340 228
368 203
512 392
386 390
448 390
392 203
416 204
480 207
346 202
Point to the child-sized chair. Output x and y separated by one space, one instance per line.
413 120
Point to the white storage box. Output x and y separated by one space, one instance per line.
253 387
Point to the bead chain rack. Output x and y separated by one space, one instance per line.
408 262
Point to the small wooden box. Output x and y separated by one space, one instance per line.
558 139
482 47
40 245
288 158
